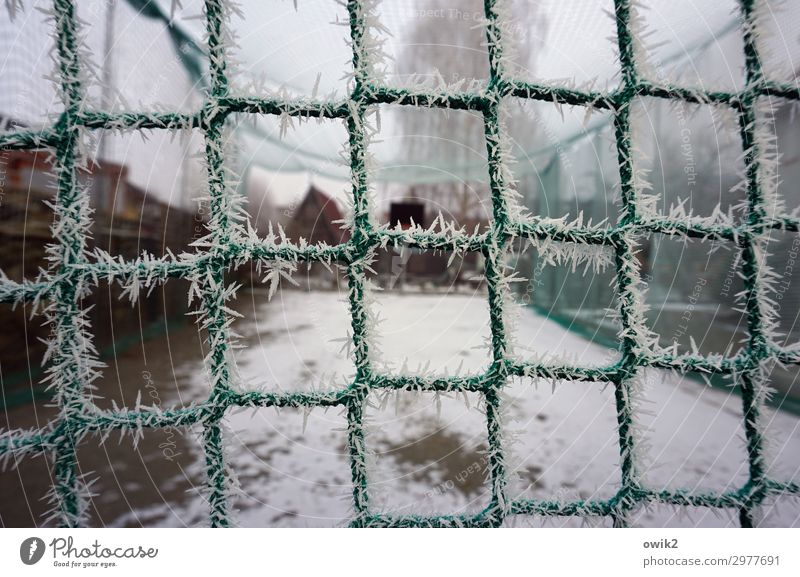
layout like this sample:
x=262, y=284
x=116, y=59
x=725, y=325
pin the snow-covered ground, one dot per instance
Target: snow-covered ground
x=426, y=451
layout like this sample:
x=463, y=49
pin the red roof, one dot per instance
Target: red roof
x=330, y=211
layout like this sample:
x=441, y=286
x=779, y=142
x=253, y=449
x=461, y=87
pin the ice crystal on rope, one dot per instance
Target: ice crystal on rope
x=72, y=362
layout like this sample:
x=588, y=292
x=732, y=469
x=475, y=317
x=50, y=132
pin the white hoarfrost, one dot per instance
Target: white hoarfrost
x=426, y=452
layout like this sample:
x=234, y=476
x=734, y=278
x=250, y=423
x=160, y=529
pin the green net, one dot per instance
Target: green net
x=72, y=361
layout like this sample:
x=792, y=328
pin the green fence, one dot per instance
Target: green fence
x=73, y=272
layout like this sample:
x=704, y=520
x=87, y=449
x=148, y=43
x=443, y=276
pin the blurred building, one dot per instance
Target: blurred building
x=396, y=267
x=312, y=216
x=317, y=219
x=126, y=221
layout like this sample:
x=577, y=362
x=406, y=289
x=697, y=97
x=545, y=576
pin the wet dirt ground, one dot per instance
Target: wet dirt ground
x=426, y=453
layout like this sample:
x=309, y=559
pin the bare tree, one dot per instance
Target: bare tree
x=449, y=44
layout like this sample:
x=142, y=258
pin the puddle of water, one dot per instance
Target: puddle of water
x=440, y=456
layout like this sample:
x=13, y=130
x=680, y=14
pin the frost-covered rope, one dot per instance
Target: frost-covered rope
x=73, y=271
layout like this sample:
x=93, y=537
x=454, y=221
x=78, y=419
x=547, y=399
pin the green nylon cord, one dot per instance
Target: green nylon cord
x=73, y=271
